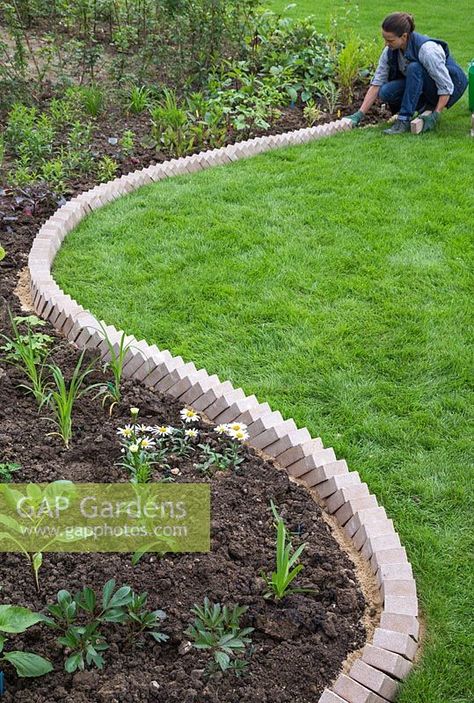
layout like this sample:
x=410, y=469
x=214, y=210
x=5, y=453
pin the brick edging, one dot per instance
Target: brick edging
x=375, y=676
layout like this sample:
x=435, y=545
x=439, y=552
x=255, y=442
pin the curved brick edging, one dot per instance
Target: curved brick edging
x=375, y=676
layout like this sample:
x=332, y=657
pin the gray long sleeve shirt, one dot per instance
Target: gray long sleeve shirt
x=432, y=58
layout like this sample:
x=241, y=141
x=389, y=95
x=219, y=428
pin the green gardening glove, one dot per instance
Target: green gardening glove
x=430, y=122
x=356, y=118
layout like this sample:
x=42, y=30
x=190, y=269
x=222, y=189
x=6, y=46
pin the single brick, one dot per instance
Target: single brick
x=233, y=412
x=378, y=542
x=199, y=387
x=375, y=680
x=402, y=570
x=386, y=661
x=326, y=471
x=402, y=605
x=214, y=392
x=174, y=376
x=263, y=422
x=335, y=483
x=296, y=452
x=395, y=642
x=223, y=402
x=134, y=363
x=184, y=384
x=287, y=441
x=398, y=587
x=271, y=435
x=354, y=692
x=407, y=624
x=312, y=461
x=161, y=367
x=252, y=414
x=388, y=556
x=343, y=495
x=353, y=506
x=382, y=526
x=330, y=697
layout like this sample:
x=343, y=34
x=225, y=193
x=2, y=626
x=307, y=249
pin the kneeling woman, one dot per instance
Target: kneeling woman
x=414, y=73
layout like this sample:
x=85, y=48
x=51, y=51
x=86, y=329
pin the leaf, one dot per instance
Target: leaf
x=28, y=664
x=122, y=597
x=107, y=592
x=3, y=253
x=222, y=659
x=74, y=662
x=159, y=636
x=15, y=618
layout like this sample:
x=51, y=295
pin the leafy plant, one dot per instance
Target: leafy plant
x=86, y=642
x=15, y=619
x=216, y=629
x=92, y=100
x=139, y=99
x=142, y=621
x=127, y=142
x=3, y=253
x=62, y=397
x=7, y=470
x=330, y=95
x=139, y=450
x=280, y=580
x=350, y=62
x=53, y=173
x=170, y=124
x=116, y=357
x=27, y=352
x=106, y=169
x=311, y=112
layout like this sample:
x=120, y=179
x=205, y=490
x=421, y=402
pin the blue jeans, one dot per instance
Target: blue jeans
x=418, y=89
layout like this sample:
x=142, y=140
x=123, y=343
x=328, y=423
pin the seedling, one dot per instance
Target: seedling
x=15, y=619
x=115, y=363
x=216, y=628
x=28, y=352
x=142, y=621
x=62, y=398
x=280, y=580
x=7, y=469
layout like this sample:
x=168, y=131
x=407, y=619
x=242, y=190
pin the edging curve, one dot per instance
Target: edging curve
x=375, y=676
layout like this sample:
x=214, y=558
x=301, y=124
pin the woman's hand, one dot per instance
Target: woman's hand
x=356, y=118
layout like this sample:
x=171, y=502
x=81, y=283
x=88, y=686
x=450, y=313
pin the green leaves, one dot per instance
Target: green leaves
x=217, y=628
x=28, y=664
x=16, y=619
x=280, y=580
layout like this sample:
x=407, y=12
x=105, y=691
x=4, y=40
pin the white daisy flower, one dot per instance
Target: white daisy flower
x=236, y=426
x=134, y=412
x=134, y=448
x=189, y=415
x=146, y=443
x=222, y=429
x=126, y=431
x=192, y=434
x=240, y=435
x=143, y=428
x=162, y=430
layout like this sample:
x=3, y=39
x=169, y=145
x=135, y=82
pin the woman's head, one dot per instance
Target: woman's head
x=396, y=29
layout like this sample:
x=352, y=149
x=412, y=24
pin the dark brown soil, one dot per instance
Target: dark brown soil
x=304, y=633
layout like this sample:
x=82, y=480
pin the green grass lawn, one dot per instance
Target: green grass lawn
x=334, y=281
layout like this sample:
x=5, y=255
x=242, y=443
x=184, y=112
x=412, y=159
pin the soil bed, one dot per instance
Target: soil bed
x=304, y=634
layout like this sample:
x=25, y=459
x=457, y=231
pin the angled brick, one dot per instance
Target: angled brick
x=382, y=526
x=379, y=542
x=353, y=506
x=387, y=556
x=343, y=495
x=389, y=662
x=271, y=435
x=401, y=605
x=223, y=402
x=395, y=642
x=407, y=624
x=236, y=409
x=299, y=451
x=335, y=483
x=354, y=692
x=375, y=680
x=402, y=570
x=364, y=517
x=312, y=461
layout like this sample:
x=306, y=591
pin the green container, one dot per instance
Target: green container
x=471, y=86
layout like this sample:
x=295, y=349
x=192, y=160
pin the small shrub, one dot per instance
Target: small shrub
x=139, y=99
x=216, y=629
x=15, y=619
x=106, y=169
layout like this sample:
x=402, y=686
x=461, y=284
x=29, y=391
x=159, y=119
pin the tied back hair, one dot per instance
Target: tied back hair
x=399, y=23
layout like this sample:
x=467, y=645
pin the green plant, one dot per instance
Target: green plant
x=92, y=98
x=86, y=642
x=15, y=619
x=311, y=112
x=106, y=169
x=53, y=173
x=117, y=353
x=141, y=621
x=7, y=469
x=170, y=124
x=28, y=352
x=350, y=62
x=280, y=580
x=139, y=449
x=216, y=629
x=330, y=95
x=138, y=99
x=62, y=397
x=3, y=253
x=2, y=149
x=127, y=142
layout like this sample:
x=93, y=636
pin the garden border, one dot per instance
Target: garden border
x=375, y=676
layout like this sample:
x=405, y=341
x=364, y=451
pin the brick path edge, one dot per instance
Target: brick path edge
x=388, y=659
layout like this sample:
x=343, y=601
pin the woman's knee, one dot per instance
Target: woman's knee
x=414, y=68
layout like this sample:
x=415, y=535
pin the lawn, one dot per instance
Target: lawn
x=334, y=281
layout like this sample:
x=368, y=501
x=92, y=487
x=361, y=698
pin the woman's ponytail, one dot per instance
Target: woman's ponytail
x=399, y=23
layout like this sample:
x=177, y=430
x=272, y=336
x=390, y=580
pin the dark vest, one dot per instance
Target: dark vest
x=414, y=45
